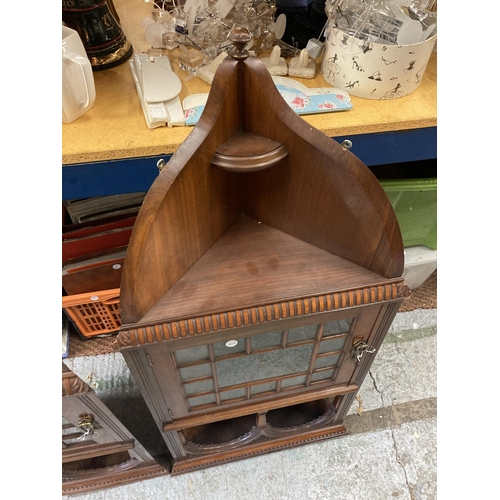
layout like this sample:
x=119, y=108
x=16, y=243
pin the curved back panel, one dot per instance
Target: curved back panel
x=319, y=193
x=188, y=207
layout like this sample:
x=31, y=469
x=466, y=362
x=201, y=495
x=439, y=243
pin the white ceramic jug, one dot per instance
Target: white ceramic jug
x=78, y=89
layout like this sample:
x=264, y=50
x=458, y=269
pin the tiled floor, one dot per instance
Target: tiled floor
x=390, y=453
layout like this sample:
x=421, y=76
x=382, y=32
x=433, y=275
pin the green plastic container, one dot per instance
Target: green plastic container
x=415, y=204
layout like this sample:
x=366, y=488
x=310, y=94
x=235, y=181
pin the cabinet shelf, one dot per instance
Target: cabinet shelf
x=226, y=432
x=246, y=152
x=298, y=415
x=251, y=264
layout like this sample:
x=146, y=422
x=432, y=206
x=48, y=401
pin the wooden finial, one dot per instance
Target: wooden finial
x=239, y=36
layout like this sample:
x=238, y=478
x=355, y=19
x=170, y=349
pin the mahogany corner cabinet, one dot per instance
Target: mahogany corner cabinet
x=263, y=272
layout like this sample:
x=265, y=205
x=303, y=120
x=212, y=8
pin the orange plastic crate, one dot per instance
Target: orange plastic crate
x=96, y=313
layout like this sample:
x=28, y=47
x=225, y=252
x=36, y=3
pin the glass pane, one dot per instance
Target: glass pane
x=327, y=374
x=70, y=430
x=190, y=372
x=302, y=333
x=67, y=431
x=229, y=347
x=293, y=381
x=202, y=400
x=196, y=387
x=191, y=354
x=265, y=365
x=272, y=339
x=333, y=327
x=233, y=394
x=76, y=440
x=332, y=345
x=327, y=361
x=68, y=427
x=269, y=386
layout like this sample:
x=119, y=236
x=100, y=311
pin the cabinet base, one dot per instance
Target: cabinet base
x=257, y=448
x=108, y=480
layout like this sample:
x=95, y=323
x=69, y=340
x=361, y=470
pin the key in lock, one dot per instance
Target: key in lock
x=359, y=348
x=89, y=425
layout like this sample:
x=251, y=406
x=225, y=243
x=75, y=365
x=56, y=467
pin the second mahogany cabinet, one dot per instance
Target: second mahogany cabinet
x=98, y=451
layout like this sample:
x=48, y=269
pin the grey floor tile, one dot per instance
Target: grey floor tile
x=391, y=416
x=405, y=368
x=419, y=318
x=370, y=397
x=103, y=372
x=416, y=445
x=406, y=371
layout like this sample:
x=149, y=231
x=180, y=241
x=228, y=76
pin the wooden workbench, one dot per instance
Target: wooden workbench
x=115, y=128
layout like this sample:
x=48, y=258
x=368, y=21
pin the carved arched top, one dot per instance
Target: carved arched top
x=318, y=193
